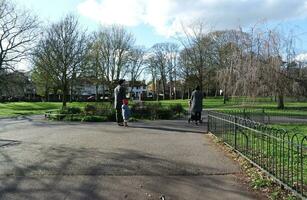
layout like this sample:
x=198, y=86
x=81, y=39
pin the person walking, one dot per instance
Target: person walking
x=196, y=105
x=119, y=96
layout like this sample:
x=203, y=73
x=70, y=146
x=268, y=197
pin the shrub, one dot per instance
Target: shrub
x=111, y=116
x=73, y=118
x=140, y=111
x=177, y=109
x=74, y=110
x=165, y=113
x=90, y=109
x=153, y=109
x=95, y=119
x=70, y=110
x=133, y=119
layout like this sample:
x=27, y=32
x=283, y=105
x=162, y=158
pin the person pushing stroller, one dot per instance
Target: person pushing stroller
x=196, y=105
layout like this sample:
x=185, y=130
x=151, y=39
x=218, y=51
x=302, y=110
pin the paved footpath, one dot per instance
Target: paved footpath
x=55, y=160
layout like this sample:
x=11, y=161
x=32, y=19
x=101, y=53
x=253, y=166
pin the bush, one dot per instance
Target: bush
x=133, y=119
x=140, y=111
x=95, y=119
x=111, y=116
x=153, y=109
x=70, y=110
x=90, y=109
x=165, y=113
x=73, y=118
x=177, y=109
x=74, y=110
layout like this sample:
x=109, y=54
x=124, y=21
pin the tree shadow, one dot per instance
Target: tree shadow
x=58, y=172
x=179, y=126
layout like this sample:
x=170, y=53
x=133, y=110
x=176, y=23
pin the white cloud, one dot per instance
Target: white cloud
x=126, y=12
x=167, y=15
x=301, y=57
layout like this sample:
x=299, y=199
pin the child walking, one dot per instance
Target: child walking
x=125, y=112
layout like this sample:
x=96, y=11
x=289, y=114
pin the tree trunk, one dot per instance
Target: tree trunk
x=71, y=94
x=163, y=88
x=96, y=90
x=157, y=90
x=103, y=92
x=170, y=91
x=225, y=97
x=280, y=103
x=64, y=97
x=46, y=94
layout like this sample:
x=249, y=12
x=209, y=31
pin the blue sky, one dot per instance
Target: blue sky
x=153, y=21
x=53, y=10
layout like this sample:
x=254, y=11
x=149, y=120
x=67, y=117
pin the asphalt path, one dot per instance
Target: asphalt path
x=41, y=159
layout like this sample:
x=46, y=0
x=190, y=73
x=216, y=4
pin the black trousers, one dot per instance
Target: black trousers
x=196, y=116
x=119, y=116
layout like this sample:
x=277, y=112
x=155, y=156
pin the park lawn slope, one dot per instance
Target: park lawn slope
x=292, y=108
x=31, y=108
x=236, y=104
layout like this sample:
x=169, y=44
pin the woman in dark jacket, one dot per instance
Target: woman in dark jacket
x=196, y=105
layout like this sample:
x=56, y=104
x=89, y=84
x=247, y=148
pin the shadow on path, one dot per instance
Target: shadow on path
x=180, y=126
x=84, y=173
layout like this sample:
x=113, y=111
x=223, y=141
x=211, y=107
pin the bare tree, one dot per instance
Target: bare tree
x=18, y=30
x=185, y=73
x=160, y=55
x=92, y=71
x=197, y=47
x=172, y=50
x=114, y=44
x=42, y=80
x=62, y=52
x=136, y=65
x=152, y=69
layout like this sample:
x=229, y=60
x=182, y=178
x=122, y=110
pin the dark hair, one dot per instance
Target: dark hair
x=197, y=87
x=121, y=81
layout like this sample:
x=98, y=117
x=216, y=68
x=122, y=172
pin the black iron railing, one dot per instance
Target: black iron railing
x=268, y=116
x=279, y=153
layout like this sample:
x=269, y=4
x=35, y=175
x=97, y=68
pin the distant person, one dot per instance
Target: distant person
x=125, y=112
x=196, y=105
x=119, y=96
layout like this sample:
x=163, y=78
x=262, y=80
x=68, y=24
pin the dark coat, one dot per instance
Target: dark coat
x=196, y=101
x=119, y=95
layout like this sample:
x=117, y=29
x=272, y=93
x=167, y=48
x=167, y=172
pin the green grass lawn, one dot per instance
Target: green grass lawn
x=207, y=103
x=218, y=103
x=31, y=108
x=292, y=108
x=295, y=128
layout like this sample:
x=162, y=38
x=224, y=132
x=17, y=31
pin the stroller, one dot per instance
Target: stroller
x=194, y=116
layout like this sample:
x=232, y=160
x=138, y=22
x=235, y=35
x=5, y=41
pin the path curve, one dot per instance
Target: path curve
x=59, y=160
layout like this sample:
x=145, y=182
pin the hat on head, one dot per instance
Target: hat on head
x=121, y=81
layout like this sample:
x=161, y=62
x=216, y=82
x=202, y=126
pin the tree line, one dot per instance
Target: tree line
x=258, y=61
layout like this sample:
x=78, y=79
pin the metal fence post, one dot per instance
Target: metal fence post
x=235, y=131
x=244, y=114
x=209, y=121
x=263, y=116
